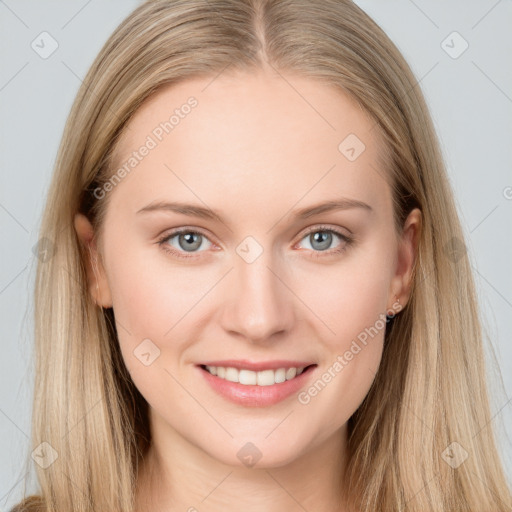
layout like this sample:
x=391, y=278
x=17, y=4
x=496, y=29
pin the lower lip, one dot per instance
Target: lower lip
x=256, y=396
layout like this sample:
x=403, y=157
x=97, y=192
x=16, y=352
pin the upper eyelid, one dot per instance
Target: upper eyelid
x=325, y=227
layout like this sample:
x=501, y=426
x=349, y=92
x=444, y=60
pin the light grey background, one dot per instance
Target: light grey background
x=470, y=97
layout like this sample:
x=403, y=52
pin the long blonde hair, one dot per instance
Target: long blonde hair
x=430, y=390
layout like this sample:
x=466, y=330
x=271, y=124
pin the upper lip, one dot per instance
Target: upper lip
x=242, y=364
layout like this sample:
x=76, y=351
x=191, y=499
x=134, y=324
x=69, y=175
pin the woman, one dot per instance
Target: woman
x=198, y=345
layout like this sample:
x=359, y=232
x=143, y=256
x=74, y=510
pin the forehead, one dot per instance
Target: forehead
x=253, y=138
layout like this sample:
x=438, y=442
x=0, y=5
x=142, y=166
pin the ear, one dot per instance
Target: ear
x=401, y=282
x=96, y=275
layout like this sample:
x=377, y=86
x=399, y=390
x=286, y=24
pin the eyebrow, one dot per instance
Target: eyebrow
x=207, y=213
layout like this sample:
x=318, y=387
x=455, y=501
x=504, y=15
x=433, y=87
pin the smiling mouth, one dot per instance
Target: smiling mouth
x=259, y=378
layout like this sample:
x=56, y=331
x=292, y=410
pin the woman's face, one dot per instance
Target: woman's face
x=256, y=285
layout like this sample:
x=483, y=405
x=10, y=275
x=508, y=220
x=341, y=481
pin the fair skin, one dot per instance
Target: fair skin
x=254, y=151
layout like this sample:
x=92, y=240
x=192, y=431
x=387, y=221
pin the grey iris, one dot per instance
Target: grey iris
x=191, y=244
x=323, y=237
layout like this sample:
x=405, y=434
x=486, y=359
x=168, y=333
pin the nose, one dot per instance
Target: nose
x=260, y=305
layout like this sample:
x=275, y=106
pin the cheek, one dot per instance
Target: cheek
x=350, y=296
x=350, y=357
x=150, y=295
x=152, y=303
x=349, y=302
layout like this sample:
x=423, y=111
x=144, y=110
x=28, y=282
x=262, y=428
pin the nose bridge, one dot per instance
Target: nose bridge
x=260, y=305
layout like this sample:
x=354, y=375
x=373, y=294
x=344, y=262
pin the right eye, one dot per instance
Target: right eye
x=182, y=241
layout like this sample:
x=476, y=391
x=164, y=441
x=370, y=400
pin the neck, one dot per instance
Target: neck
x=178, y=476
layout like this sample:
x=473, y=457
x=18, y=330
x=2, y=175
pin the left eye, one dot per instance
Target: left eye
x=321, y=239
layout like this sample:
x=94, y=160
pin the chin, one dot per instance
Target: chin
x=261, y=453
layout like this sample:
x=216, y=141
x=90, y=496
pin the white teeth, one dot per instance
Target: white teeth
x=247, y=377
x=231, y=374
x=266, y=378
x=212, y=370
x=250, y=378
x=280, y=375
x=290, y=373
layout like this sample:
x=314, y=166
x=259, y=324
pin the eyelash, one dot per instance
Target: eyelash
x=316, y=254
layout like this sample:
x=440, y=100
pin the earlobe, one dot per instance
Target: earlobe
x=96, y=276
x=407, y=256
